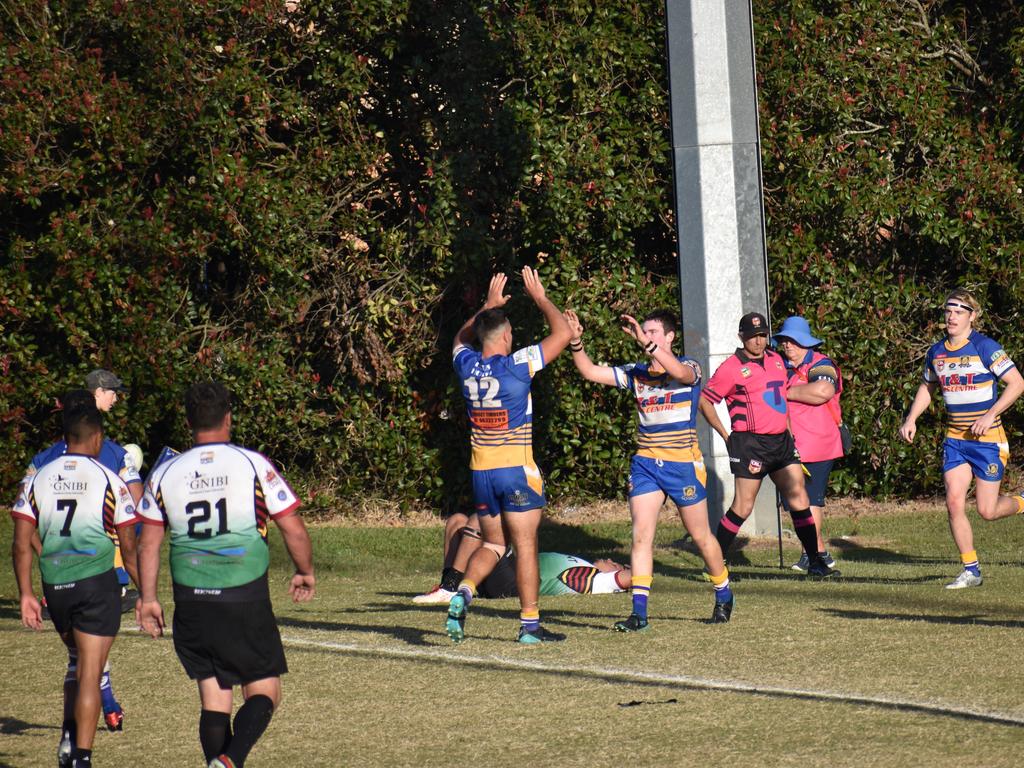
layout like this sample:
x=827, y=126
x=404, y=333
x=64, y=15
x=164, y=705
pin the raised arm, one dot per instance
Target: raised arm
x=300, y=549
x=495, y=298
x=920, y=404
x=599, y=374
x=552, y=344
x=662, y=356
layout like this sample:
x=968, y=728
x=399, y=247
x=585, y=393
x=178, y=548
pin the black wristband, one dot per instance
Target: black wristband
x=651, y=348
x=576, y=346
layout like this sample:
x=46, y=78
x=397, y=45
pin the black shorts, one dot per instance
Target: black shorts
x=756, y=456
x=502, y=581
x=91, y=605
x=235, y=642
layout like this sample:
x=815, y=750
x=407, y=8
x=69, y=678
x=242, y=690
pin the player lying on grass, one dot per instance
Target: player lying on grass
x=75, y=504
x=559, y=574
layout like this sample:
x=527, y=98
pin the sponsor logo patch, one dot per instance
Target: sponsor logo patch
x=517, y=498
x=745, y=372
x=145, y=503
x=282, y=495
x=69, y=466
x=206, y=457
x=130, y=509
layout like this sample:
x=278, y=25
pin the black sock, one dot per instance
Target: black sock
x=728, y=529
x=214, y=732
x=806, y=531
x=70, y=727
x=450, y=579
x=251, y=721
x=81, y=757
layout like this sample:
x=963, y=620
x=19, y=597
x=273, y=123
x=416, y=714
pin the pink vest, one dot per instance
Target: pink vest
x=816, y=427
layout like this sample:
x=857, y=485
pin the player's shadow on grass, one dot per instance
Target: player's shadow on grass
x=408, y=635
x=503, y=608
x=12, y=726
x=10, y=609
x=973, y=620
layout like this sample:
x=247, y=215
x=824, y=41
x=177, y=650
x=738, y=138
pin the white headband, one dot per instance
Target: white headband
x=958, y=305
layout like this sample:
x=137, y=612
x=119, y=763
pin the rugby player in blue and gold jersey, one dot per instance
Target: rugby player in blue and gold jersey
x=966, y=366
x=508, y=490
x=668, y=462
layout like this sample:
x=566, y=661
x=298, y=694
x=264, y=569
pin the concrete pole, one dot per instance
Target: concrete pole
x=716, y=155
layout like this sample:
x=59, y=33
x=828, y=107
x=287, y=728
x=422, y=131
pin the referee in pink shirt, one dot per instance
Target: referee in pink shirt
x=753, y=382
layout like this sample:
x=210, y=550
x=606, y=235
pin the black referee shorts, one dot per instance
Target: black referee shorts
x=91, y=605
x=235, y=642
x=756, y=456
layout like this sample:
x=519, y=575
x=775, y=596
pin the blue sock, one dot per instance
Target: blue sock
x=107, y=695
x=723, y=594
x=467, y=594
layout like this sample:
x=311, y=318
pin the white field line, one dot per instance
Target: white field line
x=662, y=679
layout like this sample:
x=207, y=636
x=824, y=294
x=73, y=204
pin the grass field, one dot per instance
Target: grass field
x=881, y=668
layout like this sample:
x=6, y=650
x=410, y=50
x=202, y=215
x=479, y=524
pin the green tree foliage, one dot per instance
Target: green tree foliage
x=306, y=200
x=891, y=147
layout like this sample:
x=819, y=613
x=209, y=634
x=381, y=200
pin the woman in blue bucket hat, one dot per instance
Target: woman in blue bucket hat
x=815, y=416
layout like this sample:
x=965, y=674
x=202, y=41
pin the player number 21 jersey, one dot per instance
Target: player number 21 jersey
x=215, y=499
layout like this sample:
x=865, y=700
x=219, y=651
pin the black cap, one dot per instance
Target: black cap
x=753, y=324
x=101, y=379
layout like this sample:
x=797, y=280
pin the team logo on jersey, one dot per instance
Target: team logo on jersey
x=130, y=509
x=517, y=498
x=993, y=469
x=690, y=492
x=745, y=372
x=754, y=466
x=20, y=502
x=282, y=495
x=62, y=485
x=202, y=482
x=206, y=457
x=145, y=503
x=69, y=466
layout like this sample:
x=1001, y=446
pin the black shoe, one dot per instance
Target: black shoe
x=128, y=598
x=633, y=624
x=539, y=635
x=819, y=570
x=722, y=612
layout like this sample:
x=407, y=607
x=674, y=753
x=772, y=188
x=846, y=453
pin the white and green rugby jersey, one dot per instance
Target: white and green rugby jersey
x=215, y=499
x=77, y=504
